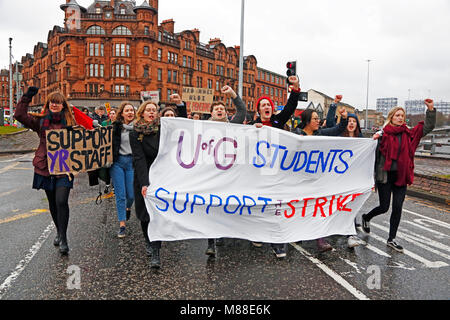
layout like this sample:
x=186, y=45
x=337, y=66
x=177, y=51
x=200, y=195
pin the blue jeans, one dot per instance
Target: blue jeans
x=122, y=173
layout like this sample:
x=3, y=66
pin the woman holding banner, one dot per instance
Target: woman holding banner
x=144, y=142
x=122, y=171
x=56, y=114
x=353, y=130
x=310, y=126
x=394, y=165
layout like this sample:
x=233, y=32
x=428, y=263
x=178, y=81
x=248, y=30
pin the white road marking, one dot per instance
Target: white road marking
x=336, y=277
x=417, y=241
x=25, y=261
x=427, y=263
x=7, y=168
x=438, y=222
x=419, y=223
x=378, y=251
x=354, y=265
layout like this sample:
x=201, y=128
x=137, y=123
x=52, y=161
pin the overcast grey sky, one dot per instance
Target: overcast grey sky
x=407, y=40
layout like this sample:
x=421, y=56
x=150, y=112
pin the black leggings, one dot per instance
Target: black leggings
x=58, y=201
x=154, y=244
x=384, y=192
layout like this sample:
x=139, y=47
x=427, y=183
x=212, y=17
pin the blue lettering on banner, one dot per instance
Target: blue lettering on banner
x=257, y=152
x=195, y=203
x=246, y=206
x=167, y=204
x=227, y=203
x=211, y=197
x=311, y=162
x=343, y=161
x=185, y=203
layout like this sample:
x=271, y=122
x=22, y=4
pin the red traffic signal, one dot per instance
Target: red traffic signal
x=292, y=68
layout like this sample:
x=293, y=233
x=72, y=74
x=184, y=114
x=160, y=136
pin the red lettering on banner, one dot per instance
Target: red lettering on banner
x=341, y=206
x=320, y=205
x=293, y=209
x=305, y=205
x=330, y=211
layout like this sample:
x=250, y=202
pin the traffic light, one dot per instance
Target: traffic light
x=292, y=68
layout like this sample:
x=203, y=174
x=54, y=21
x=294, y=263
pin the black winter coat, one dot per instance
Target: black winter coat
x=279, y=120
x=145, y=149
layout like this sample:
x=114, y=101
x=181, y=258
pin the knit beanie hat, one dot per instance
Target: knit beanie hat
x=270, y=101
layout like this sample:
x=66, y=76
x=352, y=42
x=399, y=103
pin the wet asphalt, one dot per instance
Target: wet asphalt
x=118, y=269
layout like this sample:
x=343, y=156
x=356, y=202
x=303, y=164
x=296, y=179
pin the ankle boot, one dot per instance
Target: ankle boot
x=63, y=246
x=148, y=248
x=57, y=240
x=155, y=263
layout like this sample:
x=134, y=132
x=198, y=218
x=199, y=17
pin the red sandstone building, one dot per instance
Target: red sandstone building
x=4, y=89
x=114, y=50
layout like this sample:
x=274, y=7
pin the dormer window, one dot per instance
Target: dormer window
x=122, y=10
x=98, y=10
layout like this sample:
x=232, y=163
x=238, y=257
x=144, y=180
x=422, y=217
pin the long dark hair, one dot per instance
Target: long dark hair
x=305, y=118
x=58, y=97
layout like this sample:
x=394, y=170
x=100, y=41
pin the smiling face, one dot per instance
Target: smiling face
x=398, y=118
x=219, y=112
x=265, y=109
x=150, y=113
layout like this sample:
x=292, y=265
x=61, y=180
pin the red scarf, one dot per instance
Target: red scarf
x=404, y=153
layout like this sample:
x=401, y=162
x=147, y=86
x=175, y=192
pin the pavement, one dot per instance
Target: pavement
x=20, y=142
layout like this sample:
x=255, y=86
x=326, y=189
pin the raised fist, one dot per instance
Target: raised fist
x=429, y=103
x=32, y=91
x=228, y=91
x=338, y=98
x=343, y=112
x=293, y=80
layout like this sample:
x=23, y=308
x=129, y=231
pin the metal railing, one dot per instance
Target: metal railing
x=429, y=147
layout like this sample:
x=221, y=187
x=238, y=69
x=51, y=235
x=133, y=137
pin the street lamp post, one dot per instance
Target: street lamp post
x=367, y=97
x=11, y=121
x=241, y=51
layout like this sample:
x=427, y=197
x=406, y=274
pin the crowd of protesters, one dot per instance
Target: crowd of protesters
x=136, y=136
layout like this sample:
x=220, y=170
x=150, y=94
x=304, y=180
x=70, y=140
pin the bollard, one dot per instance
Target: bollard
x=433, y=145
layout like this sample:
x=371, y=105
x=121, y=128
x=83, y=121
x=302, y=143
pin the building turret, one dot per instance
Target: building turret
x=72, y=19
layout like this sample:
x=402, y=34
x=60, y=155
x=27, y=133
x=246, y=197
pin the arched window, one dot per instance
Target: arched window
x=95, y=30
x=122, y=31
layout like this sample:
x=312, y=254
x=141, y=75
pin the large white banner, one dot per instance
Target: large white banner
x=214, y=180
